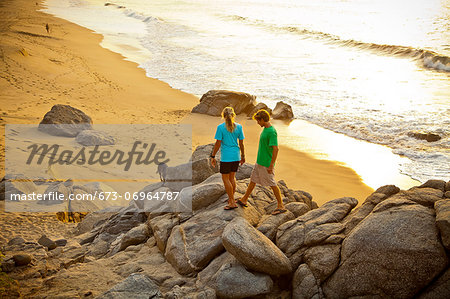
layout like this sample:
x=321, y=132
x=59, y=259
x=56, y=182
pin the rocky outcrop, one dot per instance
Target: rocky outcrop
x=64, y=120
x=94, y=137
x=213, y=102
x=253, y=249
x=428, y=136
x=259, y=106
x=282, y=111
x=395, y=244
x=134, y=286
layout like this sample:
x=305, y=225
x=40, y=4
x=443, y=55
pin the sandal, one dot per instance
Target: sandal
x=241, y=203
x=279, y=211
x=230, y=208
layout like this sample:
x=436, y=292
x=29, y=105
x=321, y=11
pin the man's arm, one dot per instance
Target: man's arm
x=274, y=158
x=241, y=146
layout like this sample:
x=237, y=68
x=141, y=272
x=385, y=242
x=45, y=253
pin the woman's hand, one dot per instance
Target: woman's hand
x=242, y=160
x=213, y=162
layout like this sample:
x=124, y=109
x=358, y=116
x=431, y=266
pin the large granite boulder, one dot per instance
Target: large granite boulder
x=235, y=281
x=253, y=249
x=282, y=111
x=442, y=208
x=94, y=137
x=213, y=102
x=259, y=106
x=198, y=240
x=135, y=286
x=319, y=226
x=394, y=252
x=64, y=120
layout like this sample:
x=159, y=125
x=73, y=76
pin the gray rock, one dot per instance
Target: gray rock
x=44, y=241
x=435, y=184
x=16, y=185
x=55, y=189
x=162, y=226
x=394, y=252
x=94, y=137
x=195, y=242
x=439, y=289
x=428, y=136
x=213, y=102
x=201, y=166
x=424, y=196
x=253, y=249
x=314, y=227
x=64, y=120
x=207, y=277
x=8, y=265
x=205, y=194
x=122, y=222
x=16, y=241
x=234, y=281
x=135, y=286
x=269, y=224
x=259, y=106
x=297, y=208
x=22, y=259
x=244, y=171
x=61, y=242
x=305, y=285
x=442, y=208
x=388, y=190
x=135, y=236
x=323, y=260
x=282, y=111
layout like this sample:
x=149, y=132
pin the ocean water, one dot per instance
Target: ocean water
x=372, y=70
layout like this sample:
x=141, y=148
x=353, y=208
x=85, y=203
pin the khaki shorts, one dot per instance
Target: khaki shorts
x=261, y=176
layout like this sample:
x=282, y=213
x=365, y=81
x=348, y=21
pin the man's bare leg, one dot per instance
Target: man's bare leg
x=277, y=193
x=250, y=188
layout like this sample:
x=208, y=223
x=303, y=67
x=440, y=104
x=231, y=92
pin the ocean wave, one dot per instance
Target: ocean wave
x=428, y=58
x=132, y=14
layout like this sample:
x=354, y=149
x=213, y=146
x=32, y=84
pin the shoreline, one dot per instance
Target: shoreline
x=69, y=66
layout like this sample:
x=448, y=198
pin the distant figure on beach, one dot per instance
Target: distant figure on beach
x=263, y=173
x=47, y=27
x=230, y=139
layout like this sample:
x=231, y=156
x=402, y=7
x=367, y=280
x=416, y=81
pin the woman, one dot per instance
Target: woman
x=230, y=139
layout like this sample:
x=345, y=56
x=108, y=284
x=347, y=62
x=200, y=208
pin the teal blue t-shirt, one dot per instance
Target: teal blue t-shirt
x=229, y=146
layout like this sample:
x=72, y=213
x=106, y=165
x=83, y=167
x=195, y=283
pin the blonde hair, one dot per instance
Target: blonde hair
x=262, y=114
x=229, y=115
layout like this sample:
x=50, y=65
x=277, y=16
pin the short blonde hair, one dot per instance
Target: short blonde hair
x=261, y=114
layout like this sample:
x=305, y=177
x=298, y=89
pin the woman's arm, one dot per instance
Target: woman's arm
x=215, y=150
x=241, y=147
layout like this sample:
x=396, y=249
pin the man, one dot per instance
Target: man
x=263, y=173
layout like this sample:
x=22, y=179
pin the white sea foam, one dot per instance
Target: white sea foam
x=364, y=89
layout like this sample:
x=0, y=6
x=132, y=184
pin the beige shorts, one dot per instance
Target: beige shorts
x=261, y=176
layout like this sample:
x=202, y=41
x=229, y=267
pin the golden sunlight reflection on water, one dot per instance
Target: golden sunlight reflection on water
x=376, y=164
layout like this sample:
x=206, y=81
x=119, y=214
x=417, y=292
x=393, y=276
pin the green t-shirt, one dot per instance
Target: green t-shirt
x=267, y=139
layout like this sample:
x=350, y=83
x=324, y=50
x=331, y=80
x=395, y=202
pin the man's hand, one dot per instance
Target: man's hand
x=213, y=162
x=242, y=160
x=270, y=169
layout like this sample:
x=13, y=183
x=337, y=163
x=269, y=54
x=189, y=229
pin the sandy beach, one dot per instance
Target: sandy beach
x=46, y=60
x=68, y=66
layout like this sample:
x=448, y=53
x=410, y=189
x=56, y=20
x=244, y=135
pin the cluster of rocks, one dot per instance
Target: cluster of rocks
x=67, y=121
x=395, y=244
x=213, y=102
